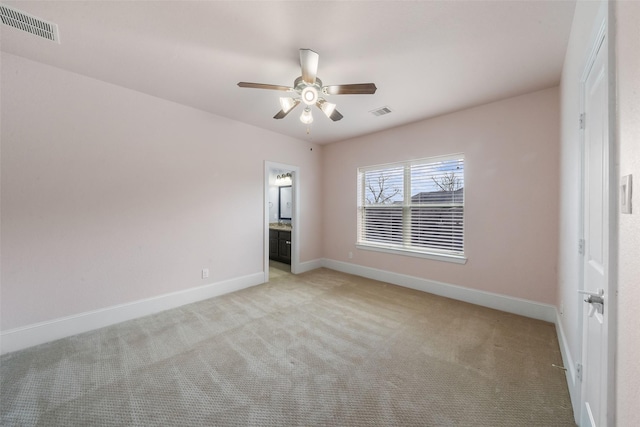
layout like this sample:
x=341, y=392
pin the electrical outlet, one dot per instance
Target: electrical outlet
x=350, y=254
x=205, y=273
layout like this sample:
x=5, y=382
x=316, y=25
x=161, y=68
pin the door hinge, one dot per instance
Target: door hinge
x=581, y=246
x=582, y=121
x=579, y=371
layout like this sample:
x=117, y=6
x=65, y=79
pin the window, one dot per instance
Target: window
x=414, y=207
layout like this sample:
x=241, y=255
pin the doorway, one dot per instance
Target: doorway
x=281, y=214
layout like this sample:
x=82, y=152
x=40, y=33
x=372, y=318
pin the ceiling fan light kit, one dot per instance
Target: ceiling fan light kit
x=327, y=107
x=309, y=95
x=288, y=104
x=309, y=88
x=306, y=116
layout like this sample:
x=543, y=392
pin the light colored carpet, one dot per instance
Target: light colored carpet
x=278, y=270
x=322, y=348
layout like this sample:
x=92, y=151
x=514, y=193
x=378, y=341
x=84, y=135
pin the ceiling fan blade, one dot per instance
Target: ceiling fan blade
x=335, y=116
x=309, y=64
x=282, y=113
x=352, y=89
x=329, y=110
x=264, y=86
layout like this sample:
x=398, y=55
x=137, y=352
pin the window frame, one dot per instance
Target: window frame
x=405, y=248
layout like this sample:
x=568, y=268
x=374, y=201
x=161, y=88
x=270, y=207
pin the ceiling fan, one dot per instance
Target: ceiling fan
x=308, y=89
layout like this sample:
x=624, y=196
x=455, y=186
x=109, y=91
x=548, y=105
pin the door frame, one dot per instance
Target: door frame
x=603, y=34
x=295, y=215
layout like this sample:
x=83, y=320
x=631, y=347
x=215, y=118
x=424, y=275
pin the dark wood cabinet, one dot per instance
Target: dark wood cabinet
x=273, y=244
x=280, y=246
x=284, y=246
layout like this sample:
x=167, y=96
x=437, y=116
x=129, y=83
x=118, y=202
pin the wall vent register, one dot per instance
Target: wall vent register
x=25, y=22
x=381, y=111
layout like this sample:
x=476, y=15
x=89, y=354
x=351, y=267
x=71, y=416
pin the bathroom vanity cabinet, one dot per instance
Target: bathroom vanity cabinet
x=280, y=245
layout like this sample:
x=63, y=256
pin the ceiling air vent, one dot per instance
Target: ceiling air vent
x=25, y=22
x=380, y=111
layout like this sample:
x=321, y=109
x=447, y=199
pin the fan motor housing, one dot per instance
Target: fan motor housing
x=299, y=85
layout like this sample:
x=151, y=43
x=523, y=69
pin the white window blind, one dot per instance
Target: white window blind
x=415, y=206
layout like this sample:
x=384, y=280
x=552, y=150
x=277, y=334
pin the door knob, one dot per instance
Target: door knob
x=599, y=293
x=595, y=299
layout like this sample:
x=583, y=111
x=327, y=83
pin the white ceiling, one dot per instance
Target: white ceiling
x=427, y=58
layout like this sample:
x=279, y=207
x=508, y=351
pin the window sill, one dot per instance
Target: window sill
x=456, y=259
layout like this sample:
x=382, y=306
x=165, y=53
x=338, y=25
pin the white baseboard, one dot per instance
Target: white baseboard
x=303, y=267
x=568, y=361
x=23, y=337
x=39, y=333
x=513, y=305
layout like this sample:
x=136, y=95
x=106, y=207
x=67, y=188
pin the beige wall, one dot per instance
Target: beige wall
x=628, y=92
x=511, y=197
x=111, y=196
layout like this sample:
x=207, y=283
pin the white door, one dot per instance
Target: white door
x=596, y=242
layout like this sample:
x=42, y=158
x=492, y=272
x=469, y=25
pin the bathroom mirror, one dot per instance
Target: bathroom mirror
x=285, y=202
